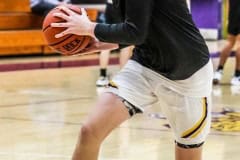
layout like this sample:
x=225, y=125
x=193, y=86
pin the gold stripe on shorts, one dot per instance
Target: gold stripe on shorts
x=197, y=128
x=112, y=84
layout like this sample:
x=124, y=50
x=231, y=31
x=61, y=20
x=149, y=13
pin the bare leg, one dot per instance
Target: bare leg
x=238, y=54
x=108, y=114
x=125, y=54
x=223, y=58
x=188, y=154
x=104, y=59
x=227, y=49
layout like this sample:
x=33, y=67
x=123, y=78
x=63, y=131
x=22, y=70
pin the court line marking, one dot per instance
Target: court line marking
x=121, y=127
x=45, y=102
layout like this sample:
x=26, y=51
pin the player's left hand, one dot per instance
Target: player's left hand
x=78, y=24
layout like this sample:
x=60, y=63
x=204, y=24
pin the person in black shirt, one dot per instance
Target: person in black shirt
x=111, y=16
x=170, y=65
x=233, y=38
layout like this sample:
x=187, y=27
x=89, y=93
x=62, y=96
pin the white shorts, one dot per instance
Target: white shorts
x=189, y=117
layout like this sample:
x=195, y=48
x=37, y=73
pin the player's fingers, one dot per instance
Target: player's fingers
x=84, y=12
x=60, y=25
x=59, y=35
x=67, y=10
x=62, y=15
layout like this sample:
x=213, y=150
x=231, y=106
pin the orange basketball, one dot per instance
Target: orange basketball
x=69, y=44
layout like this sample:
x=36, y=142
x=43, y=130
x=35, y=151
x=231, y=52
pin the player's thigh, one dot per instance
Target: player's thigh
x=238, y=44
x=238, y=39
x=231, y=39
x=189, y=117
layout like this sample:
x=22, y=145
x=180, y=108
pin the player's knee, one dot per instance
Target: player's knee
x=230, y=44
x=87, y=134
x=85, y=130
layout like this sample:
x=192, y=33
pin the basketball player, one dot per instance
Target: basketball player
x=111, y=16
x=170, y=65
x=233, y=38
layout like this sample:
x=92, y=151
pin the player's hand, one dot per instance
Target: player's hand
x=97, y=46
x=78, y=24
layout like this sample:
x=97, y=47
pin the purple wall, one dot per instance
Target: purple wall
x=206, y=13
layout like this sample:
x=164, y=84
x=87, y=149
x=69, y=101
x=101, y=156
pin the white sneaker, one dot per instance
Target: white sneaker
x=102, y=81
x=235, y=81
x=217, y=76
x=235, y=90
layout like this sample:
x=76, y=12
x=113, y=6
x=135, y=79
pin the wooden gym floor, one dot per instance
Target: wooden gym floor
x=41, y=112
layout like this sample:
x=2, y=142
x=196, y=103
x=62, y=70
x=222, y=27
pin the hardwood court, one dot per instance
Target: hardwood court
x=41, y=112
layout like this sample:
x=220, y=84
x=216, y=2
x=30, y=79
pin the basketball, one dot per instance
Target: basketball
x=69, y=44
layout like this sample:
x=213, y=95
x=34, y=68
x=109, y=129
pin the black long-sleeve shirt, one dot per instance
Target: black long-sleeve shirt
x=165, y=37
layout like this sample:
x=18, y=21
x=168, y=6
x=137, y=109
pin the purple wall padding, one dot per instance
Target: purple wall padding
x=53, y=64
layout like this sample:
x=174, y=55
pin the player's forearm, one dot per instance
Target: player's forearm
x=119, y=33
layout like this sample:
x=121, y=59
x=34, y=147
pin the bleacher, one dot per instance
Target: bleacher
x=20, y=30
